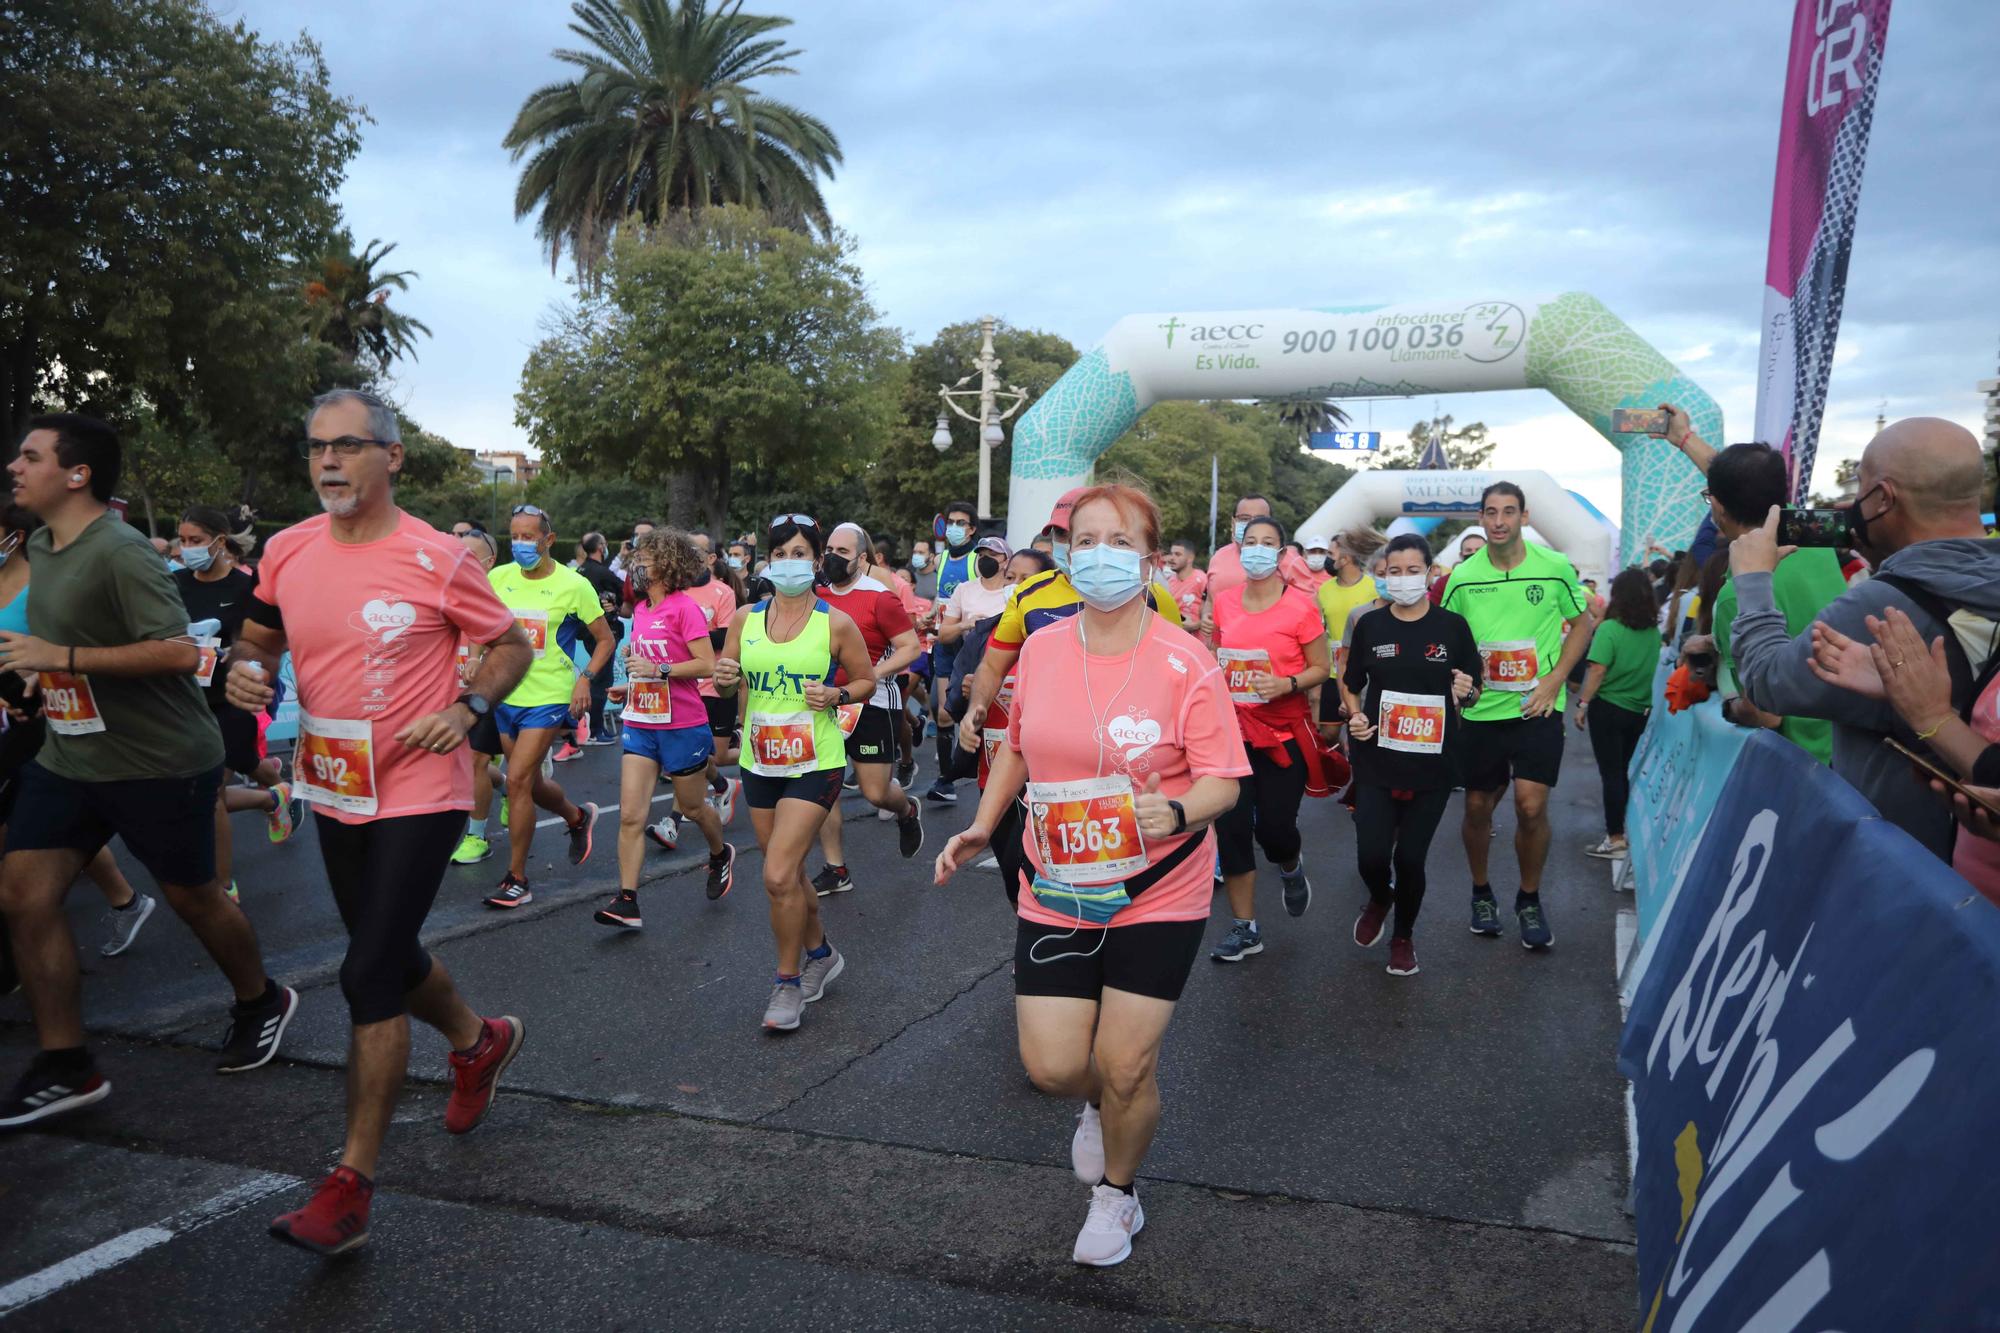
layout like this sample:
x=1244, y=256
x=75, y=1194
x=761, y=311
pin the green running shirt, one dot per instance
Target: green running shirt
x=782, y=737
x=1517, y=620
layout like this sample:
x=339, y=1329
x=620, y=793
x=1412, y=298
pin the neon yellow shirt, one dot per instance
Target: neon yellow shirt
x=1517, y=620
x=540, y=606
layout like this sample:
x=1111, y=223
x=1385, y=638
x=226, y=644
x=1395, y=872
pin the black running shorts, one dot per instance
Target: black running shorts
x=873, y=740
x=168, y=823
x=1152, y=958
x=1526, y=749
x=822, y=788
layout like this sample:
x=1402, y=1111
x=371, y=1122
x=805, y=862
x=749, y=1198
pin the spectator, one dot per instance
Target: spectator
x=640, y=527
x=1617, y=695
x=1916, y=519
x=591, y=552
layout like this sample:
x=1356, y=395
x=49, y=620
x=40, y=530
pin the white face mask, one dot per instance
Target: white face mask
x=1407, y=589
x=1316, y=561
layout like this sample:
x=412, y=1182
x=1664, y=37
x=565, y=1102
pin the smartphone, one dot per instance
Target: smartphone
x=1814, y=527
x=1947, y=779
x=1628, y=421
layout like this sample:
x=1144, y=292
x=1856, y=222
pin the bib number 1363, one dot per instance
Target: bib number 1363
x=1087, y=832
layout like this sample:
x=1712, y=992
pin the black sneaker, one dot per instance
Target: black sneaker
x=851, y=782
x=512, y=893
x=722, y=872
x=1485, y=915
x=910, y=830
x=623, y=912
x=255, y=1031
x=829, y=880
x=579, y=834
x=47, y=1089
x=943, y=790
x=906, y=773
x=1535, y=932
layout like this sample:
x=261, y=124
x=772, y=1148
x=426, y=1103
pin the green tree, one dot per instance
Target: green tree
x=721, y=347
x=347, y=305
x=1468, y=447
x=909, y=481
x=1300, y=481
x=1168, y=451
x=162, y=175
x=1308, y=415
x=662, y=116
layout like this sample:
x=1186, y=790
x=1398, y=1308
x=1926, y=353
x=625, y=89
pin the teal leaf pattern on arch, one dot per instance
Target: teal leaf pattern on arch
x=1593, y=361
x=1083, y=411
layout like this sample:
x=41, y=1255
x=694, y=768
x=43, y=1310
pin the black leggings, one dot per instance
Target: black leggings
x=1392, y=835
x=385, y=874
x=1614, y=736
x=1266, y=810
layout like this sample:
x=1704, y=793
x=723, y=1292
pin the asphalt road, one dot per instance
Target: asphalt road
x=1339, y=1148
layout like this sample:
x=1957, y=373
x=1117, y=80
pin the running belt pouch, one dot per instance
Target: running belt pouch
x=1098, y=903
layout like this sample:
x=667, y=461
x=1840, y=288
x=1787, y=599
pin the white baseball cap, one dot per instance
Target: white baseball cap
x=1316, y=543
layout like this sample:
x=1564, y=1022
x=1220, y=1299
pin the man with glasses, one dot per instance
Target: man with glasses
x=372, y=604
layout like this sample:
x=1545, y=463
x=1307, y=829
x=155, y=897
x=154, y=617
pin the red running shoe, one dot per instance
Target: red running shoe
x=1402, y=958
x=475, y=1078
x=1368, y=927
x=335, y=1219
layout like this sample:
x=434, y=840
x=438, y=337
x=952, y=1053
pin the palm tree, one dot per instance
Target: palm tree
x=1309, y=416
x=662, y=117
x=347, y=304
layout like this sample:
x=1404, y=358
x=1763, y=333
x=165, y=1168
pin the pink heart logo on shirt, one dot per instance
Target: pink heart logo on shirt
x=386, y=620
x=1134, y=737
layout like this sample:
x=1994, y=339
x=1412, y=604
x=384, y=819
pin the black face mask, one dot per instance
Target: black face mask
x=837, y=567
x=1857, y=521
x=988, y=566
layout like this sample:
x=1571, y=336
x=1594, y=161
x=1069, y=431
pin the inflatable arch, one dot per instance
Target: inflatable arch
x=1556, y=515
x=1570, y=345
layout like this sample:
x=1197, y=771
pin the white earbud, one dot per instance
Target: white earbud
x=76, y=476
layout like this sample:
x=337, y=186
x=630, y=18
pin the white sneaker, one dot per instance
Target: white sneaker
x=1106, y=1238
x=1086, y=1146
x=123, y=926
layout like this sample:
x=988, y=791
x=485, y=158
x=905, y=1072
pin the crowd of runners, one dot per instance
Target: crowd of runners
x=1110, y=702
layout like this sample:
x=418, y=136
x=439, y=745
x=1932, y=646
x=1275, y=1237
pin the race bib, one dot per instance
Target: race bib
x=68, y=705
x=211, y=652
x=850, y=718
x=335, y=764
x=1411, y=722
x=994, y=738
x=464, y=664
x=1511, y=665
x=1238, y=666
x=781, y=744
x=649, y=703
x=1004, y=700
x=1087, y=832
x=535, y=624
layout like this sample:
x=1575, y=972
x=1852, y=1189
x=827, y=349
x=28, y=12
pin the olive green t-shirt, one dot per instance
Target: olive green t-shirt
x=1804, y=584
x=1629, y=658
x=107, y=589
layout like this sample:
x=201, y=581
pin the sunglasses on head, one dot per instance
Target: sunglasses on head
x=803, y=520
x=531, y=510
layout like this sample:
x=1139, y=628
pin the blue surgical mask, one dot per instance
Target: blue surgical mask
x=735, y=561
x=197, y=558
x=791, y=577
x=1260, y=562
x=527, y=554
x=1060, y=555
x=1107, y=577
x=919, y=559
x=1381, y=587
x=1242, y=524
x=956, y=534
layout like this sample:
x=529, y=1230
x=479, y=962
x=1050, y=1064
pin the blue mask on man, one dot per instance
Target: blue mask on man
x=955, y=534
x=527, y=554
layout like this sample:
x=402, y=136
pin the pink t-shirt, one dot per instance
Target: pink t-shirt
x=1078, y=715
x=373, y=629
x=1283, y=629
x=1188, y=590
x=1225, y=571
x=663, y=634
x=717, y=602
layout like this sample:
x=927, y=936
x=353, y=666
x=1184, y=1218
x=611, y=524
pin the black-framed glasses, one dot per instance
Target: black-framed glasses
x=532, y=511
x=346, y=446
x=803, y=520
x=1705, y=495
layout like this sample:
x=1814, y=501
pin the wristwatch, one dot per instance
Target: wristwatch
x=476, y=704
x=842, y=698
x=1180, y=816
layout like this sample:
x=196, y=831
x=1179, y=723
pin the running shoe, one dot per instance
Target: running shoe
x=666, y=831
x=788, y=1001
x=503, y=812
x=579, y=834
x=1106, y=1239
x=623, y=911
x=335, y=1219
x=511, y=893
x=851, y=781
x=722, y=872
x=475, y=1075
x=471, y=851
x=286, y=814
x=724, y=801
x=1402, y=958
x=1608, y=850
x=564, y=753
x=906, y=772
x=1086, y=1146
x=818, y=974
x=829, y=880
x=1368, y=927
x=1534, y=921
x=943, y=790
x=255, y=1031
x=1298, y=890
x=1242, y=940
x=48, y=1089
x=910, y=829
x=597, y=738
x=122, y=924
x=1485, y=915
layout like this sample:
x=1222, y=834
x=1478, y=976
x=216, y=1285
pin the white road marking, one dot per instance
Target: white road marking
x=100, y=1258
x=611, y=809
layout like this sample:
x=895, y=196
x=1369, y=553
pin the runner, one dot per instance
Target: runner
x=1122, y=731
x=214, y=587
x=782, y=654
x=970, y=602
x=1318, y=552
x=874, y=563
x=891, y=640
x=540, y=593
x=1412, y=670
x=1186, y=581
x=665, y=725
x=716, y=591
x=1225, y=567
x=372, y=602
x=1520, y=599
x=132, y=752
x=1272, y=646
x=484, y=738
x=1349, y=588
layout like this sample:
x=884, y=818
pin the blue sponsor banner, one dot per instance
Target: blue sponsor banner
x=1677, y=773
x=1811, y=1054
x=1355, y=441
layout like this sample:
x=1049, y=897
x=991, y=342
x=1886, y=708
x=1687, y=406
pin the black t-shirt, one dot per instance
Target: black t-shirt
x=226, y=599
x=1415, y=747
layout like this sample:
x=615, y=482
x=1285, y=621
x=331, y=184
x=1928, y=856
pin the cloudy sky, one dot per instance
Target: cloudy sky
x=1062, y=164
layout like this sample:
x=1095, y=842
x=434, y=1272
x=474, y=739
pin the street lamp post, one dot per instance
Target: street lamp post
x=990, y=395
